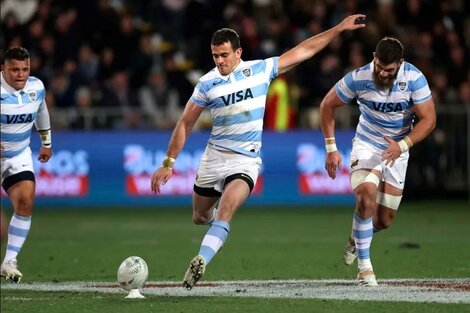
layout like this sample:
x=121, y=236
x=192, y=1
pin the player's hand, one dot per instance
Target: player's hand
x=160, y=177
x=44, y=154
x=392, y=152
x=353, y=22
x=332, y=163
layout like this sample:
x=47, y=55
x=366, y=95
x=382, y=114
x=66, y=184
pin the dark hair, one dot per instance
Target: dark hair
x=389, y=50
x=224, y=35
x=16, y=53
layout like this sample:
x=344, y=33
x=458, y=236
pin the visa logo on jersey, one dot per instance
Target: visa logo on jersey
x=18, y=118
x=238, y=96
x=387, y=107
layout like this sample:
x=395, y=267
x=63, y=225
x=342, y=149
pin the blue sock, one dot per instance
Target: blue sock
x=362, y=233
x=17, y=233
x=214, y=239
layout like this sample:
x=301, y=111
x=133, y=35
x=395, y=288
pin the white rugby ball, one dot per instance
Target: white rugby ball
x=132, y=273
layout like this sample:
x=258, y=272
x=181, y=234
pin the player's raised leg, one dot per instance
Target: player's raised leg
x=381, y=220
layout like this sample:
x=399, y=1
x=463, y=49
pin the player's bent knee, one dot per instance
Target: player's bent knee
x=365, y=202
x=199, y=220
x=363, y=176
x=388, y=201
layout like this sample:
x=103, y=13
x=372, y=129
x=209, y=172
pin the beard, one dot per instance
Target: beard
x=383, y=83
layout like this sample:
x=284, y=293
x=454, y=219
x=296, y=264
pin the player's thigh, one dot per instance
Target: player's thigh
x=238, y=185
x=203, y=205
x=394, y=176
x=21, y=195
x=12, y=166
x=210, y=174
x=365, y=177
x=391, y=190
x=389, y=199
x=234, y=195
x=18, y=181
x=208, y=184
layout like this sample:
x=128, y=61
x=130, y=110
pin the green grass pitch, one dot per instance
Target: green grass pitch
x=426, y=240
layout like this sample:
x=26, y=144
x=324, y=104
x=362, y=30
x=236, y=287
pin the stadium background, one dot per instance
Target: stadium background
x=118, y=74
x=152, y=52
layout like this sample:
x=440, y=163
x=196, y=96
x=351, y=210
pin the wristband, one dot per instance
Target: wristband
x=405, y=144
x=330, y=144
x=168, y=162
x=46, y=137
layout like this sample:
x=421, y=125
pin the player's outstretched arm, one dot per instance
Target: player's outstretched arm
x=180, y=134
x=311, y=46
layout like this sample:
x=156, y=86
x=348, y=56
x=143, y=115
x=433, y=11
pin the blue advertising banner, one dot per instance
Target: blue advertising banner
x=114, y=168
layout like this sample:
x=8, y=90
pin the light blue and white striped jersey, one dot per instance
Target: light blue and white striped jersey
x=19, y=109
x=237, y=104
x=384, y=112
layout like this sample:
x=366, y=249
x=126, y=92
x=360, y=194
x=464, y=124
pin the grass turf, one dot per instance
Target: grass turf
x=427, y=240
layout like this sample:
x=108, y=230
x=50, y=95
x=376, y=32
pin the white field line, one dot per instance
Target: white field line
x=409, y=290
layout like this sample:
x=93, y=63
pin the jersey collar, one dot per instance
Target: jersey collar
x=226, y=77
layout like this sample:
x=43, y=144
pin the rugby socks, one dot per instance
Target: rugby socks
x=362, y=233
x=214, y=239
x=351, y=240
x=17, y=233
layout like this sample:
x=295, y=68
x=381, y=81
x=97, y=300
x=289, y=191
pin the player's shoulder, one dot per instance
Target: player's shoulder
x=365, y=70
x=250, y=63
x=208, y=79
x=263, y=62
x=211, y=75
x=363, y=73
x=34, y=82
x=410, y=68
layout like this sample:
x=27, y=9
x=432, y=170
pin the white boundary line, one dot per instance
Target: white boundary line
x=409, y=290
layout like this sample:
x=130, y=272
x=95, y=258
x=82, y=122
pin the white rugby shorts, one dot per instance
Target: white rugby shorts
x=365, y=157
x=20, y=163
x=217, y=165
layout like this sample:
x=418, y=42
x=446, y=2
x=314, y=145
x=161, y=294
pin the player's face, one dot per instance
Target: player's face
x=225, y=58
x=16, y=73
x=385, y=74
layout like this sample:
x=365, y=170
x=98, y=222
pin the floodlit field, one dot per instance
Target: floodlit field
x=275, y=260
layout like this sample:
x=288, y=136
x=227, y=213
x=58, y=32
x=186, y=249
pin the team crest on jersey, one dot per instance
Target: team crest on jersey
x=246, y=72
x=402, y=86
x=32, y=95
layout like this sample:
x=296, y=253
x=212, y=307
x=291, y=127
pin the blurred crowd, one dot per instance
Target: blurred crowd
x=139, y=60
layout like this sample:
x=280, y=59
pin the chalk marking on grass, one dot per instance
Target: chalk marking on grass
x=409, y=290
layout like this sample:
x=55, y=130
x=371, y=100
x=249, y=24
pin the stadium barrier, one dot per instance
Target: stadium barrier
x=113, y=168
